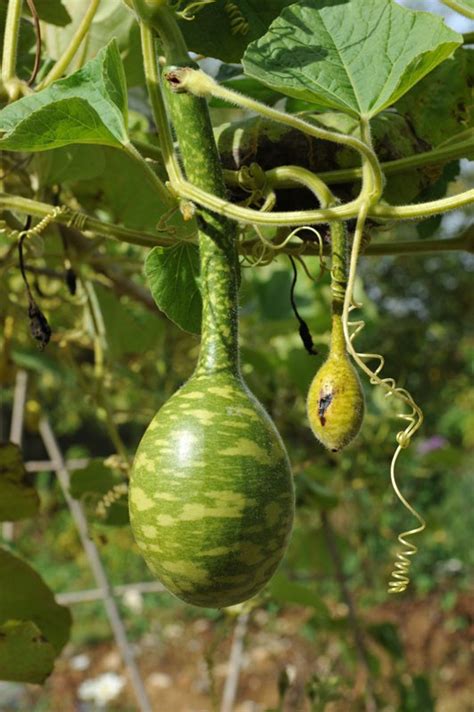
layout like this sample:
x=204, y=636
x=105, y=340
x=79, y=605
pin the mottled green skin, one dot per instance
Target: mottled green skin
x=211, y=495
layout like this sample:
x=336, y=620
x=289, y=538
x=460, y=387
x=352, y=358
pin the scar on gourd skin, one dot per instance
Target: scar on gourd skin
x=325, y=401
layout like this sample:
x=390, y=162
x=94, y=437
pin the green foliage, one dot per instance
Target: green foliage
x=440, y=106
x=173, y=277
x=399, y=45
x=33, y=624
x=90, y=106
x=25, y=655
x=226, y=41
x=134, y=358
x=18, y=498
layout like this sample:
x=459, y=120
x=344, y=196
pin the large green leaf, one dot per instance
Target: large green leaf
x=18, y=499
x=173, y=277
x=24, y=596
x=358, y=56
x=89, y=106
x=216, y=31
x=25, y=655
x=441, y=105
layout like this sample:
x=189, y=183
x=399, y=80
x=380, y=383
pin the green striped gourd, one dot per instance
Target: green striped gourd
x=211, y=493
x=335, y=402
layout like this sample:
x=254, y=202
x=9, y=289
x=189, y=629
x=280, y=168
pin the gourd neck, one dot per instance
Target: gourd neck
x=338, y=266
x=219, y=276
x=337, y=347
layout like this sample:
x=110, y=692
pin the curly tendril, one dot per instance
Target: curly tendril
x=400, y=575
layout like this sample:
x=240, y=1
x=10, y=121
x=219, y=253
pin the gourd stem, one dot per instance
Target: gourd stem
x=217, y=234
x=10, y=45
x=339, y=266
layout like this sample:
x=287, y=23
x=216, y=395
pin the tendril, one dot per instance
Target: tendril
x=414, y=418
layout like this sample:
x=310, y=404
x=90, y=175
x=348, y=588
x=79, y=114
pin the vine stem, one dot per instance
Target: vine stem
x=304, y=217
x=10, y=48
x=198, y=83
x=144, y=239
x=83, y=222
x=459, y=7
x=158, y=108
x=441, y=154
x=58, y=69
x=464, y=149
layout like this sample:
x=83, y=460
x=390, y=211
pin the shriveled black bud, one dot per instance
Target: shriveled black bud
x=306, y=338
x=39, y=327
x=71, y=280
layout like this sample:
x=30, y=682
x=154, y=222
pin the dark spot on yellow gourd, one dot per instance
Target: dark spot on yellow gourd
x=335, y=400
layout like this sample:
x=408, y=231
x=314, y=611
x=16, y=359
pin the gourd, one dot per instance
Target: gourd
x=211, y=492
x=335, y=402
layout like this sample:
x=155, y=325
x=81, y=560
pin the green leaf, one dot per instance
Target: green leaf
x=25, y=655
x=172, y=274
x=18, y=499
x=358, y=56
x=69, y=164
x=212, y=33
x=441, y=105
x=89, y=106
x=52, y=11
x=24, y=596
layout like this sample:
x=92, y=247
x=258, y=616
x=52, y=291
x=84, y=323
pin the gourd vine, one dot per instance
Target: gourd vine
x=336, y=390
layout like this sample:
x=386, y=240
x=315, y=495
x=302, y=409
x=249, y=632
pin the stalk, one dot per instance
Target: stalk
x=217, y=243
x=65, y=60
x=10, y=47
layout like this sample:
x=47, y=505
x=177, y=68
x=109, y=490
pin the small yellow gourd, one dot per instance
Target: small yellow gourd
x=335, y=398
x=335, y=401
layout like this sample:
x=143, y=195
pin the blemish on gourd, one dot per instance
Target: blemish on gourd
x=325, y=401
x=194, y=395
x=165, y=520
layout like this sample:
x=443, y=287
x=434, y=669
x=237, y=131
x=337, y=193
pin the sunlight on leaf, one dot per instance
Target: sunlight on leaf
x=320, y=52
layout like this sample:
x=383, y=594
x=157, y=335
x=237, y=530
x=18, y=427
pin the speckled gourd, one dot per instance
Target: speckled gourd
x=335, y=402
x=211, y=493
